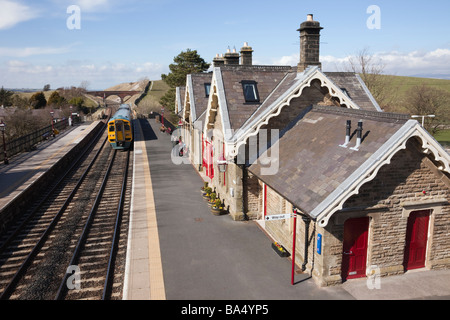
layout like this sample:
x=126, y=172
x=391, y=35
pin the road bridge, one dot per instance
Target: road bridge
x=121, y=94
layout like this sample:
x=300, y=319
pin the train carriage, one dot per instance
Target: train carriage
x=120, y=133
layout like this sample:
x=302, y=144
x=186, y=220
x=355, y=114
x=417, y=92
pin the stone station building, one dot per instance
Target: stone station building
x=371, y=188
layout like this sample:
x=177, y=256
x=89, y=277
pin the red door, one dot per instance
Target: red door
x=208, y=159
x=416, y=239
x=354, y=255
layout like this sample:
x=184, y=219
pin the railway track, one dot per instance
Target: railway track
x=71, y=244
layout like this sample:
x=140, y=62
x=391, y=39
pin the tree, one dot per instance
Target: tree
x=77, y=102
x=20, y=102
x=371, y=71
x=38, y=100
x=56, y=99
x=5, y=97
x=425, y=100
x=185, y=63
x=46, y=88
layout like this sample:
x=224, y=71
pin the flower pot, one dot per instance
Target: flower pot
x=280, y=250
x=216, y=211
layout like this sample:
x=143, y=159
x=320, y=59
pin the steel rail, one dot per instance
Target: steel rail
x=82, y=239
x=18, y=275
x=8, y=241
x=112, y=255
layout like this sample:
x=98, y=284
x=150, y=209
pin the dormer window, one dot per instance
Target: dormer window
x=207, y=89
x=250, y=91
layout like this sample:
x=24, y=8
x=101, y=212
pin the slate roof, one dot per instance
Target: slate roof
x=198, y=97
x=311, y=162
x=356, y=89
x=246, y=117
x=266, y=77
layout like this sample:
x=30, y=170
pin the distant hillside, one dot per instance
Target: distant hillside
x=129, y=86
x=151, y=103
x=406, y=83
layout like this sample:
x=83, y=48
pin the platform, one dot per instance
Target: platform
x=143, y=271
x=26, y=168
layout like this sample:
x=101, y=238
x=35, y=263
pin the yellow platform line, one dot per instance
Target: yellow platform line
x=157, y=290
x=156, y=277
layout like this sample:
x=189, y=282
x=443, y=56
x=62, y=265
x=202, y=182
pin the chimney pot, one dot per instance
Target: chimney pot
x=218, y=60
x=246, y=55
x=231, y=58
x=309, y=44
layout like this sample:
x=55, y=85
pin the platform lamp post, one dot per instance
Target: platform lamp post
x=162, y=116
x=2, y=129
x=423, y=117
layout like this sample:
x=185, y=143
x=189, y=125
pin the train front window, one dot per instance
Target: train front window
x=119, y=126
x=111, y=128
x=127, y=127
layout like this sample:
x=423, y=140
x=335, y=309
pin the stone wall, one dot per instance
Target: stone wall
x=397, y=190
x=410, y=182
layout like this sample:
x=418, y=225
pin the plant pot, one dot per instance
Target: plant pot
x=280, y=250
x=206, y=197
x=217, y=212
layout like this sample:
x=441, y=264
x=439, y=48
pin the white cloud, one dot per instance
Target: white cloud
x=32, y=51
x=90, y=5
x=435, y=62
x=20, y=74
x=416, y=62
x=12, y=13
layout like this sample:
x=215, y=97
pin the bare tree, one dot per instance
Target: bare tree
x=425, y=100
x=370, y=68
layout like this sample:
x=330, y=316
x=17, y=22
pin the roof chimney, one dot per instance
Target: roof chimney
x=231, y=58
x=246, y=55
x=309, y=44
x=218, y=60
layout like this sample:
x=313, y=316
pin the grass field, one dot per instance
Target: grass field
x=405, y=83
x=443, y=136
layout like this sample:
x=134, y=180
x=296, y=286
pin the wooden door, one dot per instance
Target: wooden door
x=354, y=254
x=416, y=239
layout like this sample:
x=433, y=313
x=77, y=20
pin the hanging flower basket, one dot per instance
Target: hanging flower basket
x=280, y=250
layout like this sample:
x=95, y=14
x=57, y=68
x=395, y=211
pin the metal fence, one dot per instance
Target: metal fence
x=29, y=142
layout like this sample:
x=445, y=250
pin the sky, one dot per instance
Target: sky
x=106, y=42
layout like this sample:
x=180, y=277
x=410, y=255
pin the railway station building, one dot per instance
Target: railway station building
x=370, y=189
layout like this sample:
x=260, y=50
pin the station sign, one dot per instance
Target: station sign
x=279, y=217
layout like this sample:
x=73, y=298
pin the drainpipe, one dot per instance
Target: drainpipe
x=306, y=220
x=244, y=178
